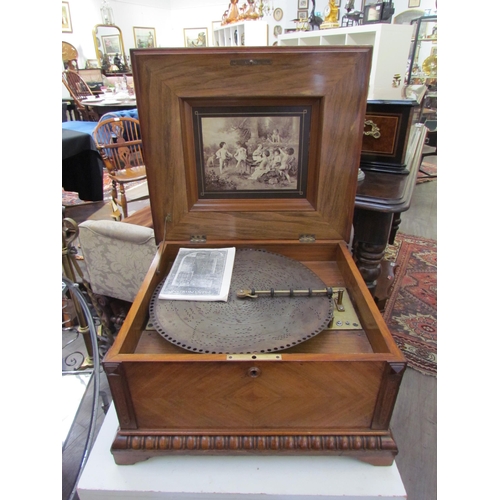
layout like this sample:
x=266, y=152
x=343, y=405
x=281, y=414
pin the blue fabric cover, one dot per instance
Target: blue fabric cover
x=128, y=113
x=87, y=127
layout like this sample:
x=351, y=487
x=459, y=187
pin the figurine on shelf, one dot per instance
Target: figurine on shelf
x=331, y=16
x=231, y=15
x=248, y=12
x=314, y=20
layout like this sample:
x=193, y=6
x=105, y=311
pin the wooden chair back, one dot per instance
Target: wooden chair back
x=79, y=90
x=119, y=142
x=76, y=85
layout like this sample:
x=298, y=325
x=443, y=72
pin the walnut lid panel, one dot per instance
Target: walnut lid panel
x=265, y=84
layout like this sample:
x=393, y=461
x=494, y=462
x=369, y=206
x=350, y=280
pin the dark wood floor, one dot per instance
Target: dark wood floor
x=414, y=422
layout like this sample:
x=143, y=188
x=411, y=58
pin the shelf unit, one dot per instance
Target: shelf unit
x=243, y=33
x=424, y=53
x=393, y=39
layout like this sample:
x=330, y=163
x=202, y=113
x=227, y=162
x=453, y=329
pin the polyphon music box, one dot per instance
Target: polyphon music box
x=256, y=150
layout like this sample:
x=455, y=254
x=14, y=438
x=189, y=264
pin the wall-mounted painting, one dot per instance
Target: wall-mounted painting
x=144, y=38
x=195, y=37
x=66, y=18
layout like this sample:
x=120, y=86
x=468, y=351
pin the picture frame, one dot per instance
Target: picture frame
x=302, y=15
x=111, y=44
x=92, y=64
x=267, y=158
x=195, y=37
x=144, y=38
x=67, y=26
x=413, y=3
x=303, y=4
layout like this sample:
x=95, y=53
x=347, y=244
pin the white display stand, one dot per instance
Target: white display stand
x=233, y=477
x=242, y=33
x=391, y=49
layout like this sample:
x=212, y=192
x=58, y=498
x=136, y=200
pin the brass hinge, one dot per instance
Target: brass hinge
x=197, y=238
x=307, y=238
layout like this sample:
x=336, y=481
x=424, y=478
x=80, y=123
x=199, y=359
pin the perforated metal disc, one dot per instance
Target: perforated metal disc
x=241, y=326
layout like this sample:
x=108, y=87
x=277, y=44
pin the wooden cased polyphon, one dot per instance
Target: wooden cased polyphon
x=332, y=394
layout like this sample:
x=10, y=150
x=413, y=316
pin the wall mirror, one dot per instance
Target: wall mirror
x=109, y=49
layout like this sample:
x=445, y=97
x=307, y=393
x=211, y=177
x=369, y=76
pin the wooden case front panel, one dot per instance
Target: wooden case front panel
x=228, y=397
x=394, y=122
x=386, y=143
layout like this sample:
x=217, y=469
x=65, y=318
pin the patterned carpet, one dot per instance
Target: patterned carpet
x=411, y=311
x=427, y=172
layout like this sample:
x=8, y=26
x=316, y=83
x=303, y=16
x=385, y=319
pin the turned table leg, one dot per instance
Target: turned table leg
x=371, y=235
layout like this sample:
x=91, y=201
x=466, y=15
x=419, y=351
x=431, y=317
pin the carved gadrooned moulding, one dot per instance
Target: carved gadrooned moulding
x=156, y=445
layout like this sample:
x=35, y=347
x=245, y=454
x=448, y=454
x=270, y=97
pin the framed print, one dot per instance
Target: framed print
x=278, y=14
x=254, y=151
x=111, y=44
x=195, y=37
x=303, y=4
x=413, y=3
x=92, y=64
x=302, y=15
x=144, y=38
x=66, y=18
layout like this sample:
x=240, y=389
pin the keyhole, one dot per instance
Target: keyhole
x=254, y=372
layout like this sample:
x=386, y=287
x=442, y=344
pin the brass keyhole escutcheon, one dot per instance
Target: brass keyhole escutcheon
x=254, y=372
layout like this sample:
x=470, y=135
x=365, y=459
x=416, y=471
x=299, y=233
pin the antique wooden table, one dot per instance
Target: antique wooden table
x=380, y=200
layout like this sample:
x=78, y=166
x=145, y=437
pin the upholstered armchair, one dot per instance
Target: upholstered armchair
x=117, y=256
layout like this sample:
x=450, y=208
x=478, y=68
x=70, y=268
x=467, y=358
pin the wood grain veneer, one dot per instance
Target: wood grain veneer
x=333, y=394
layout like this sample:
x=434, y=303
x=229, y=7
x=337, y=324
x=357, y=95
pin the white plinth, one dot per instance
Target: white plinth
x=228, y=478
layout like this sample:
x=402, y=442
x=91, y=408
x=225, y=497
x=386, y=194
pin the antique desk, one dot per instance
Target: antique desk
x=251, y=478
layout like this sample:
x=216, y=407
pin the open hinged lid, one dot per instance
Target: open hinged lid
x=208, y=116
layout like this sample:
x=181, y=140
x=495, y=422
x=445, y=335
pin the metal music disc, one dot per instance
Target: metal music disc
x=245, y=326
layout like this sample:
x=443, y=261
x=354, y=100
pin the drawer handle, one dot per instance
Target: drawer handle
x=253, y=372
x=374, y=132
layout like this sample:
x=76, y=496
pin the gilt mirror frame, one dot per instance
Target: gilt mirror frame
x=99, y=49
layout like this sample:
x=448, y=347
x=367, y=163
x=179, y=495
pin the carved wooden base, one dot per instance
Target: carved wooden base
x=129, y=449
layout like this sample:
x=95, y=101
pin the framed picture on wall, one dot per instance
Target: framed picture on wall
x=111, y=44
x=302, y=15
x=144, y=38
x=66, y=18
x=303, y=4
x=195, y=37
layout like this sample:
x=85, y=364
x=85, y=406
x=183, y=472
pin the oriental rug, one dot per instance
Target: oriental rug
x=411, y=310
x=427, y=172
